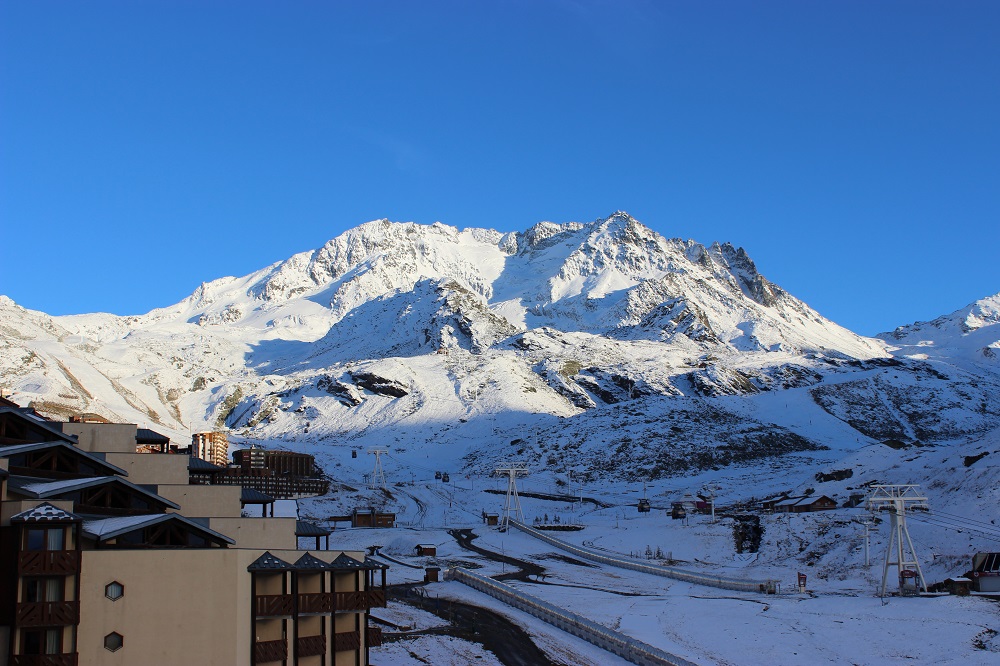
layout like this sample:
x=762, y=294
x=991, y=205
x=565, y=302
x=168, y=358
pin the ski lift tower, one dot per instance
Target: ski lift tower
x=512, y=503
x=377, y=479
x=710, y=490
x=896, y=500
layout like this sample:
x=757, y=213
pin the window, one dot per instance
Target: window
x=114, y=591
x=114, y=641
x=41, y=641
x=38, y=590
x=42, y=538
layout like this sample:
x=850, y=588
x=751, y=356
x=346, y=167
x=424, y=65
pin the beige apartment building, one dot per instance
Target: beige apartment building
x=211, y=446
x=115, y=557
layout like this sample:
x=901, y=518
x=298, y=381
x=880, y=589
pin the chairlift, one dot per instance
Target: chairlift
x=437, y=475
x=644, y=505
x=445, y=478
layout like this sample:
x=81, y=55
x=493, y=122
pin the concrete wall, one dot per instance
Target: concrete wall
x=269, y=533
x=103, y=437
x=203, y=501
x=151, y=467
x=179, y=607
x=182, y=606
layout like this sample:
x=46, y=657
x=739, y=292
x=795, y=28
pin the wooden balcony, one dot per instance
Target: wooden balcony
x=268, y=651
x=376, y=598
x=352, y=601
x=310, y=646
x=373, y=636
x=273, y=605
x=66, y=659
x=48, y=613
x=318, y=603
x=48, y=562
x=346, y=640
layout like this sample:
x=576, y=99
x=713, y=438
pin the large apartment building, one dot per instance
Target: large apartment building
x=211, y=446
x=108, y=556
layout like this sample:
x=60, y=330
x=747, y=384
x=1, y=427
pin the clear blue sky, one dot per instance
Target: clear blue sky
x=853, y=148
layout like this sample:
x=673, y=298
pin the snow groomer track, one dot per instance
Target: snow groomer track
x=624, y=646
x=738, y=584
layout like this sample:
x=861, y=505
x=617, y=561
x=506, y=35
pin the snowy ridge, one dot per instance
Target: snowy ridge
x=601, y=348
x=971, y=333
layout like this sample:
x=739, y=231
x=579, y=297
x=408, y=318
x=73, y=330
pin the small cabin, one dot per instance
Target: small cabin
x=431, y=574
x=426, y=550
x=372, y=518
x=492, y=518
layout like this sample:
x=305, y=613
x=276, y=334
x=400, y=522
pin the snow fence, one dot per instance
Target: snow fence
x=738, y=584
x=624, y=646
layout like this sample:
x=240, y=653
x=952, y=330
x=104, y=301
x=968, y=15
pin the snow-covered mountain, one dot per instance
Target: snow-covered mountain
x=970, y=334
x=600, y=348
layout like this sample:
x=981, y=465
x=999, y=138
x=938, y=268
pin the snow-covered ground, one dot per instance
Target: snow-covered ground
x=841, y=619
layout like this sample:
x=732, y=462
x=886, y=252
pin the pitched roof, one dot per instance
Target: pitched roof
x=310, y=561
x=345, y=562
x=196, y=464
x=374, y=564
x=32, y=487
x=268, y=562
x=45, y=513
x=8, y=451
x=147, y=435
x=37, y=422
x=802, y=500
x=305, y=529
x=109, y=528
x=252, y=496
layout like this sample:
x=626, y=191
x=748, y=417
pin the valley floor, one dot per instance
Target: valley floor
x=840, y=620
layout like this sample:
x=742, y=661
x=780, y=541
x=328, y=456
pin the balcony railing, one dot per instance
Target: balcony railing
x=66, y=659
x=48, y=562
x=48, y=613
x=352, y=601
x=318, y=602
x=267, y=651
x=376, y=598
x=373, y=636
x=309, y=646
x=346, y=640
x=273, y=605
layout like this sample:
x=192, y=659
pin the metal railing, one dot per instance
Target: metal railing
x=624, y=646
x=738, y=584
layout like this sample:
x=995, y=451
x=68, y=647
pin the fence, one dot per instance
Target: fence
x=617, y=643
x=739, y=584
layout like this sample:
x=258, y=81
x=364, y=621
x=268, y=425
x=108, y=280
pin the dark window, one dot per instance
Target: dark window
x=114, y=641
x=41, y=538
x=41, y=641
x=36, y=590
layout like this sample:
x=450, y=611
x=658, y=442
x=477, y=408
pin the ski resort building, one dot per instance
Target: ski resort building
x=108, y=556
x=986, y=572
x=211, y=446
x=800, y=504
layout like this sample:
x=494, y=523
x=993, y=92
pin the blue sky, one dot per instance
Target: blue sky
x=852, y=148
